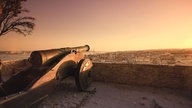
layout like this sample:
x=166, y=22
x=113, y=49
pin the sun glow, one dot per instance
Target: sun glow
x=106, y=25
x=188, y=43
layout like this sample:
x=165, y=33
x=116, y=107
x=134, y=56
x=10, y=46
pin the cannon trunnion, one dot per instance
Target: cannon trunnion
x=48, y=66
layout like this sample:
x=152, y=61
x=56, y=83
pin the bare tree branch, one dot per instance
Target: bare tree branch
x=10, y=19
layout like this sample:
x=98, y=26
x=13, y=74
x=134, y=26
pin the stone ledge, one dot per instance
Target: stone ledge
x=176, y=77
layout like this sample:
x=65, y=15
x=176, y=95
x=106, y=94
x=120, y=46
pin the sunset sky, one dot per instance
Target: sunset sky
x=106, y=25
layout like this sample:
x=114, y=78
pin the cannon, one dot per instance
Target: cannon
x=41, y=57
x=47, y=66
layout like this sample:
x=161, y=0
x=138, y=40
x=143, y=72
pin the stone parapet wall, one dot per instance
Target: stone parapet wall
x=10, y=68
x=177, y=77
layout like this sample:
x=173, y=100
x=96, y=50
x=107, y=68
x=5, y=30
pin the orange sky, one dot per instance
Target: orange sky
x=106, y=25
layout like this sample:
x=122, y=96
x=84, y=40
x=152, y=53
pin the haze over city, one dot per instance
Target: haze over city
x=106, y=25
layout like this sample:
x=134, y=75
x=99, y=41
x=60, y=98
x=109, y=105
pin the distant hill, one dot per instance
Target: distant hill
x=15, y=52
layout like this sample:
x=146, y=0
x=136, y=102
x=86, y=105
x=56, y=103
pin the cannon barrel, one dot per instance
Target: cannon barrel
x=38, y=58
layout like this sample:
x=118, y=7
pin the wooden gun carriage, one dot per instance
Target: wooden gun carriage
x=48, y=67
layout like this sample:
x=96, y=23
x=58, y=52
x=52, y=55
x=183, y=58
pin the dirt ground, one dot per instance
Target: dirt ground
x=108, y=95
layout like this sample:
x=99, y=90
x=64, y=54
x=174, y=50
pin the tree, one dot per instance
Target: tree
x=11, y=18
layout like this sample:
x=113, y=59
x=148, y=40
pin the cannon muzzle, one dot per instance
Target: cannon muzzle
x=38, y=58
